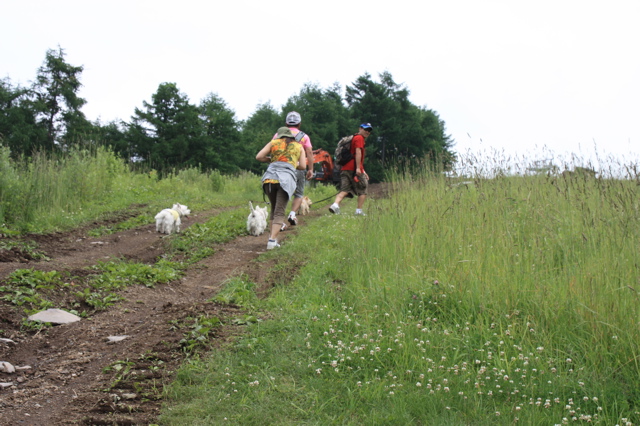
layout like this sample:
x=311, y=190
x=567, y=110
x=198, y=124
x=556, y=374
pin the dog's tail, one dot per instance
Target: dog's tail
x=251, y=206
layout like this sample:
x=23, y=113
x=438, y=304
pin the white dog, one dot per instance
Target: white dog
x=304, y=206
x=257, y=220
x=168, y=220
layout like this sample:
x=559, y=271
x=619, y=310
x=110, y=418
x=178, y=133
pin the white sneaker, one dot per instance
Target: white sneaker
x=335, y=209
x=271, y=244
x=360, y=213
x=283, y=227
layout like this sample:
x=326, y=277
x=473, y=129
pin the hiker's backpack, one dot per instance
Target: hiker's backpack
x=343, y=151
x=300, y=135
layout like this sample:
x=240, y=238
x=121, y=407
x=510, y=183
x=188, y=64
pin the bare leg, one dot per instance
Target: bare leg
x=340, y=196
x=295, y=204
x=275, y=230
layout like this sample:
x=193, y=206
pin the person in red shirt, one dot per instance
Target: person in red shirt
x=353, y=178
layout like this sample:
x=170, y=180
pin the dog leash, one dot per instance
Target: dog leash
x=264, y=195
x=324, y=199
x=314, y=202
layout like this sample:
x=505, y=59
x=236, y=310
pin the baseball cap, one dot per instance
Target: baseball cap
x=293, y=118
x=366, y=126
x=284, y=132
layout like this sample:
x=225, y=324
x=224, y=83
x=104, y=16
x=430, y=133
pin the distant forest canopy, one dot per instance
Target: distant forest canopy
x=169, y=132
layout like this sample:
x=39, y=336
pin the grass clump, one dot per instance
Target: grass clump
x=238, y=291
x=199, y=240
x=199, y=334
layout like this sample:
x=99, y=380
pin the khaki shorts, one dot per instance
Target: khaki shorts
x=301, y=178
x=347, y=184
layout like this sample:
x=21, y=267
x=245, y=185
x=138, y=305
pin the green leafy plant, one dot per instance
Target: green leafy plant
x=118, y=274
x=26, y=247
x=34, y=325
x=113, y=276
x=28, y=287
x=120, y=370
x=97, y=299
x=245, y=320
x=201, y=331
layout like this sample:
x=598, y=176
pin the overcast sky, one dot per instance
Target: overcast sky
x=559, y=76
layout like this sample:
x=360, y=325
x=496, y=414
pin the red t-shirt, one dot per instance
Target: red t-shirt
x=356, y=142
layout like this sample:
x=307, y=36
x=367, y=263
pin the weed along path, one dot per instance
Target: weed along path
x=110, y=366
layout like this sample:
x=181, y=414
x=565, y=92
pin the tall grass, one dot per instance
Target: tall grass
x=506, y=300
x=59, y=192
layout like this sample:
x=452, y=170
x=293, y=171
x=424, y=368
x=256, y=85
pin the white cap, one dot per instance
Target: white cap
x=293, y=118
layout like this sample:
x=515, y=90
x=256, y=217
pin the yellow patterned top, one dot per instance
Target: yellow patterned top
x=286, y=152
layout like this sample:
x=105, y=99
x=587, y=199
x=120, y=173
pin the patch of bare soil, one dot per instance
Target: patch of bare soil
x=77, y=376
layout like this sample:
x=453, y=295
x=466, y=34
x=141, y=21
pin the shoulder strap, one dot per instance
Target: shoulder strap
x=300, y=135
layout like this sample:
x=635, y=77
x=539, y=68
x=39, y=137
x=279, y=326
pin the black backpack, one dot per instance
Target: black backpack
x=343, y=151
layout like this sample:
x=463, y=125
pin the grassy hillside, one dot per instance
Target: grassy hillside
x=504, y=300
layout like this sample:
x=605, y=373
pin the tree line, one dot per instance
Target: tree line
x=170, y=132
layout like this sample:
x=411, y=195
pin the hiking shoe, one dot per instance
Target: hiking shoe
x=271, y=244
x=335, y=209
x=283, y=227
x=293, y=220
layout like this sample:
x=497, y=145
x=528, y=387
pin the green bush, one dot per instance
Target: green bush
x=217, y=181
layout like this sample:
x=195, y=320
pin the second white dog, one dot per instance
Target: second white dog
x=257, y=220
x=168, y=220
x=304, y=206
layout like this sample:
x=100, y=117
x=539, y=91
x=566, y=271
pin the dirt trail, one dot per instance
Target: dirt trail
x=67, y=382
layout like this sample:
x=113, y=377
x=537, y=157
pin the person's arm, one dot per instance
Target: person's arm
x=302, y=163
x=263, y=155
x=359, y=169
x=309, y=153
